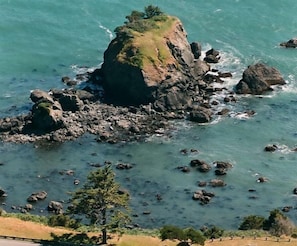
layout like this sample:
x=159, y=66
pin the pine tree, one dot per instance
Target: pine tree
x=101, y=201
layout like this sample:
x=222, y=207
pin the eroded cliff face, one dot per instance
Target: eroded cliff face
x=134, y=68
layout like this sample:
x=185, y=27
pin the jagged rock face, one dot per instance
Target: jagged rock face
x=132, y=84
x=258, y=78
x=47, y=116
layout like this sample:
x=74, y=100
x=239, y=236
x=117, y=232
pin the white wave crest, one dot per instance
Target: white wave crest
x=83, y=69
x=108, y=31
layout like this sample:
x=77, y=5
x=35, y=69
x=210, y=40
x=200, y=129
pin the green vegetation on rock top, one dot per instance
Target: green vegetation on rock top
x=142, y=38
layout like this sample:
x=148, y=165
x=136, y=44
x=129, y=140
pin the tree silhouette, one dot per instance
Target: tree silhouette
x=101, y=201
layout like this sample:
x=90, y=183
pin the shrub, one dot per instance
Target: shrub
x=278, y=224
x=282, y=226
x=213, y=232
x=195, y=236
x=135, y=16
x=62, y=220
x=74, y=239
x=141, y=21
x=252, y=222
x=172, y=232
x=151, y=11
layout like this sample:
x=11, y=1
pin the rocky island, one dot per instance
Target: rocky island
x=150, y=74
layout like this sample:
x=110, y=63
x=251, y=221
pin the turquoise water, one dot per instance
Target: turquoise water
x=41, y=41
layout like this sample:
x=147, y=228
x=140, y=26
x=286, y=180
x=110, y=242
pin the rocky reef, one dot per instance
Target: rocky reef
x=151, y=74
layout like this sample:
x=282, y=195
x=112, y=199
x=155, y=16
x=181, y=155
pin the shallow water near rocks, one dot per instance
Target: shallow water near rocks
x=41, y=42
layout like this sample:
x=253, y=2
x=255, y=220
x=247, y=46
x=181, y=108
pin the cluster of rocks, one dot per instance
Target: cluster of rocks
x=212, y=56
x=53, y=206
x=221, y=168
x=62, y=115
x=116, y=108
x=203, y=196
x=23, y=209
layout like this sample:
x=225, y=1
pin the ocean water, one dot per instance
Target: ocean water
x=41, y=41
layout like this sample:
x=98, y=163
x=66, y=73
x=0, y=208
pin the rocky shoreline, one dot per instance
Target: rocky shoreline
x=122, y=102
x=72, y=112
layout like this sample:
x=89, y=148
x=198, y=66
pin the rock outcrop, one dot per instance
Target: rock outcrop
x=292, y=43
x=157, y=67
x=259, y=78
x=34, y=197
x=151, y=74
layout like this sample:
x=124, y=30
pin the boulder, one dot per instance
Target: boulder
x=2, y=193
x=222, y=164
x=70, y=102
x=196, y=49
x=217, y=183
x=47, y=116
x=68, y=81
x=258, y=79
x=203, y=196
x=204, y=167
x=220, y=172
x=271, y=148
x=202, y=183
x=184, y=169
x=262, y=179
x=124, y=166
x=39, y=95
x=292, y=43
x=28, y=207
x=196, y=163
x=212, y=56
x=200, y=115
x=55, y=207
x=34, y=197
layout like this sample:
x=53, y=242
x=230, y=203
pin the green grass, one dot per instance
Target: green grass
x=148, y=48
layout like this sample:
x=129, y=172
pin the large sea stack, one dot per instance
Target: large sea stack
x=151, y=61
x=150, y=74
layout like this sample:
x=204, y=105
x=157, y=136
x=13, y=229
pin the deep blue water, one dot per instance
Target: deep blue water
x=41, y=41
